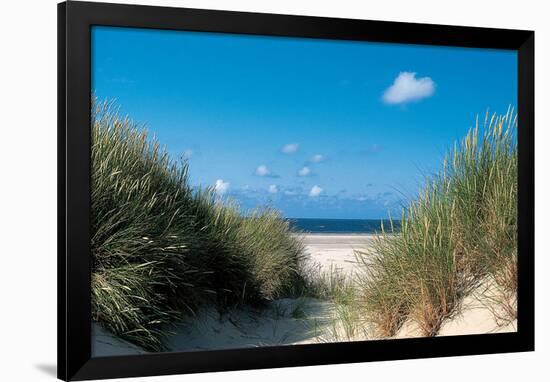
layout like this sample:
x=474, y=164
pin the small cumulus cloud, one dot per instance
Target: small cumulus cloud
x=272, y=189
x=304, y=171
x=317, y=158
x=315, y=191
x=407, y=88
x=290, y=148
x=264, y=171
x=221, y=187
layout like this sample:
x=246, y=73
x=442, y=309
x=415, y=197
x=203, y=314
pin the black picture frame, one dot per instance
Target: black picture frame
x=74, y=308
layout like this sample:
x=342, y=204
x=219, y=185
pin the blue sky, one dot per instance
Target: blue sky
x=315, y=128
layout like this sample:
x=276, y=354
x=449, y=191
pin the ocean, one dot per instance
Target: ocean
x=343, y=226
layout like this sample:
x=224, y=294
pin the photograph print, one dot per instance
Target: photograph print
x=251, y=191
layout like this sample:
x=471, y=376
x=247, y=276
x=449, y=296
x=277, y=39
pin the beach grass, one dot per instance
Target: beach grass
x=339, y=289
x=161, y=249
x=460, y=232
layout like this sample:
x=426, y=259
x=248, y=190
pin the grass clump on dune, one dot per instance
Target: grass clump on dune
x=267, y=259
x=162, y=250
x=459, y=233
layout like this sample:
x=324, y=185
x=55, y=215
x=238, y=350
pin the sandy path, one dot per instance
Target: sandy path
x=285, y=321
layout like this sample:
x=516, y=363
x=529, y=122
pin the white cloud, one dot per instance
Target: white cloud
x=305, y=171
x=187, y=153
x=290, y=148
x=221, y=187
x=263, y=170
x=273, y=189
x=406, y=88
x=317, y=158
x=315, y=191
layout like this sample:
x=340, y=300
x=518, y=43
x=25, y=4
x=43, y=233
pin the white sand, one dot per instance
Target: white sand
x=283, y=322
x=333, y=250
x=476, y=317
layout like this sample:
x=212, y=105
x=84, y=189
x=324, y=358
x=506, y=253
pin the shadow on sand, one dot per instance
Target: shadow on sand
x=286, y=321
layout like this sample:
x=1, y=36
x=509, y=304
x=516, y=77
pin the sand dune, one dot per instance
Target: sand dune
x=473, y=317
x=296, y=321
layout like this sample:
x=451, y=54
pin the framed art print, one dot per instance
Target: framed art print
x=241, y=190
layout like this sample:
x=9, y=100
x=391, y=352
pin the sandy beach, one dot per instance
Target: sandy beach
x=335, y=250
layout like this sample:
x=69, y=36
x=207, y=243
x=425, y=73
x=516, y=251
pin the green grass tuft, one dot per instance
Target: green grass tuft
x=458, y=233
x=162, y=250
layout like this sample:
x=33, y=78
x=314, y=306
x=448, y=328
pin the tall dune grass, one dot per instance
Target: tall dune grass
x=460, y=232
x=161, y=250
